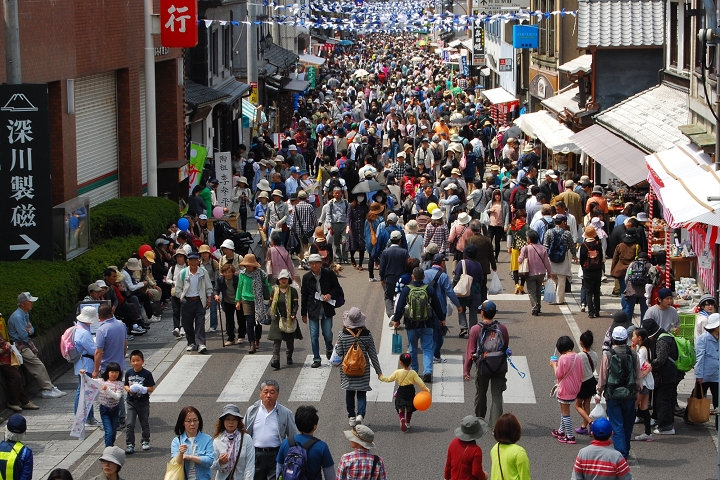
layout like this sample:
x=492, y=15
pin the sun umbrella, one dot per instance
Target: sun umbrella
x=416, y=59
x=513, y=132
x=360, y=72
x=345, y=43
x=459, y=122
x=367, y=186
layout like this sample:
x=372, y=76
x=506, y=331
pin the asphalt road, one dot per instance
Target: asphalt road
x=421, y=452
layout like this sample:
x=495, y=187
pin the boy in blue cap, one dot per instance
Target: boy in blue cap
x=600, y=460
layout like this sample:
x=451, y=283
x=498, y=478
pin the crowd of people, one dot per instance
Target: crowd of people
x=408, y=167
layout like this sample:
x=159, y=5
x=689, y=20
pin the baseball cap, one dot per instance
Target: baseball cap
x=26, y=297
x=620, y=334
x=438, y=258
x=193, y=255
x=94, y=287
x=314, y=258
x=202, y=216
x=601, y=428
x=663, y=293
x=488, y=306
x=395, y=235
x=17, y=424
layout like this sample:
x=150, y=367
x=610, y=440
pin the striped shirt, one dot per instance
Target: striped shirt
x=600, y=460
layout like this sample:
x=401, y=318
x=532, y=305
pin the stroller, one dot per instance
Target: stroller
x=242, y=240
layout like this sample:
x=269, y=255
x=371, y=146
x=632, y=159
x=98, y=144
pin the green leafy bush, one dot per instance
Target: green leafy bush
x=122, y=217
x=118, y=228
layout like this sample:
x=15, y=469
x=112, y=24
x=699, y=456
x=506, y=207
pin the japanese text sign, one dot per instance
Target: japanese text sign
x=223, y=172
x=525, y=36
x=478, y=38
x=178, y=23
x=25, y=170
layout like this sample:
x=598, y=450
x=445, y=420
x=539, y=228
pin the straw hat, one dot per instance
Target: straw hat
x=590, y=232
x=411, y=226
x=361, y=435
x=250, y=261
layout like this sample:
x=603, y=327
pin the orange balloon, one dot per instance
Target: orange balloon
x=422, y=401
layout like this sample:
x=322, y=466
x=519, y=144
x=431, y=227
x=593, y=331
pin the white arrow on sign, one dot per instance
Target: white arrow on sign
x=30, y=246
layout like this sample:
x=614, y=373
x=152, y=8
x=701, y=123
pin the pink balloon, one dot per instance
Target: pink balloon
x=217, y=212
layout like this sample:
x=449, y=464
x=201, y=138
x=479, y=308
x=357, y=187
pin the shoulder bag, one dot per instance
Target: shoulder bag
x=463, y=288
x=232, y=472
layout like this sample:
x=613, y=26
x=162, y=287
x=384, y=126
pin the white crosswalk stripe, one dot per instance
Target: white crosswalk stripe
x=311, y=382
x=179, y=379
x=242, y=386
x=448, y=385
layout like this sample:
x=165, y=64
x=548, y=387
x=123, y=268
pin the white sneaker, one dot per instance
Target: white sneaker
x=50, y=394
x=352, y=421
x=439, y=360
x=372, y=279
x=653, y=422
x=190, y=348
x=657, y=431
x=182, y=332
x=176, y=332
x=358, y=420
x=202, y=349
x=638, y=420
x=57, y=390
x=644, y=438
x=155, y=319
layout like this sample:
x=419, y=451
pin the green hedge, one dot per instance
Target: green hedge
x=118, y=228
x=122, y=217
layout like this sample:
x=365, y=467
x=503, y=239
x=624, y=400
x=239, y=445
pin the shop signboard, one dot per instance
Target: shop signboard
x=25, y=170
x=223, y=173
x=178, y=23
x=478, y=38
x=525, y=36
x=505, y=64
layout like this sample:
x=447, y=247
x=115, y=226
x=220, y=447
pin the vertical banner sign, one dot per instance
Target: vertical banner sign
x=311, y=76
x=254, y=93
x=479, y=38
x=446, y=55
x=464, y=69
x=178, y=23
x=26, y=173
x=198, y=153
x=223, y=172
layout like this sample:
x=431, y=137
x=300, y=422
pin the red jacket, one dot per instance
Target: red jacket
x=464, y=461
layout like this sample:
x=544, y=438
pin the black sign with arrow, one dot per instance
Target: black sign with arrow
x=25, y=170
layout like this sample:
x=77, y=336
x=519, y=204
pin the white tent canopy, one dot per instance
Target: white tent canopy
x=311, y=59
x=554, y=135
x=499, y=95
x=686, y=178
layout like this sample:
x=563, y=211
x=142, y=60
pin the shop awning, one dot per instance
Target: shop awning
x=499, y=95
x=543, y=126
x=468, y=44
x=197, y=95
x=614, y=153
x=454, y=43
x=234, y=90
x=297, y=85
x=312, y=59
x=567, y=99
x=280, y=57
x=249, y=111
x=683, y=177
x=650, y=119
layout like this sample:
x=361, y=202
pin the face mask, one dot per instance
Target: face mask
x=360, y=199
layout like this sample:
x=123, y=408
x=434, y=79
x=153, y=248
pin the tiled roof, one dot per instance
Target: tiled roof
x=581, y=64
x=280, y=57
x=649, y=119
x=197, y=95
x=560, y=101
x=234, y=90
x=621, y=23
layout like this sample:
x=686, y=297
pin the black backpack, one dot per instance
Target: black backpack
x=637, y=273
x=328, y=148
x=436, y=154
x=520, y=198
x=621, y=376
x=334, y=183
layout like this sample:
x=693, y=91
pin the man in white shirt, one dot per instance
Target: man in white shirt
x=268, y=423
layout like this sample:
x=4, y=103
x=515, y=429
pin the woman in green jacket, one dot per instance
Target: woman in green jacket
x=252, y=291
x=509, y=460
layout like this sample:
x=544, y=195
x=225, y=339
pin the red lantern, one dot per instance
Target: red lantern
x=178, y=23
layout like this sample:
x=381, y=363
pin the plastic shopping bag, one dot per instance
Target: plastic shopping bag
x=549, y=296
x=597, y=412
x=335, y=359
x=495, y=287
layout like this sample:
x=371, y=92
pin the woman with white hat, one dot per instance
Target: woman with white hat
x=706, y=351
x=459, y=233
x=233, y=447
x=284, y=303
x=242, y=200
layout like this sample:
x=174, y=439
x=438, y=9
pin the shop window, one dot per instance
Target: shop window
x=226, y=47
x=679, y=36
x=214, y=53
x=546, y=29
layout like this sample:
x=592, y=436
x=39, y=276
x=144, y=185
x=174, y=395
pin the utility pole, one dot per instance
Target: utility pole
x=150, y=119
x=252, y=45
x=12, y=43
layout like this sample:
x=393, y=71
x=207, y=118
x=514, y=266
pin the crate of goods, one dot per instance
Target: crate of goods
x=687, y=326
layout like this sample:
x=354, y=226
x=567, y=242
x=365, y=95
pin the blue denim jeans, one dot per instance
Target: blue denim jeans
x=91, y=414
x=631, y=302
x=425, y=336
x=350, y=402
x=623, y=302
x=110, y=417
x=315, y=325
x=621, y=414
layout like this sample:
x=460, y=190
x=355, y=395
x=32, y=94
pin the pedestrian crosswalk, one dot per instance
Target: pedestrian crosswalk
x=311, y=384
